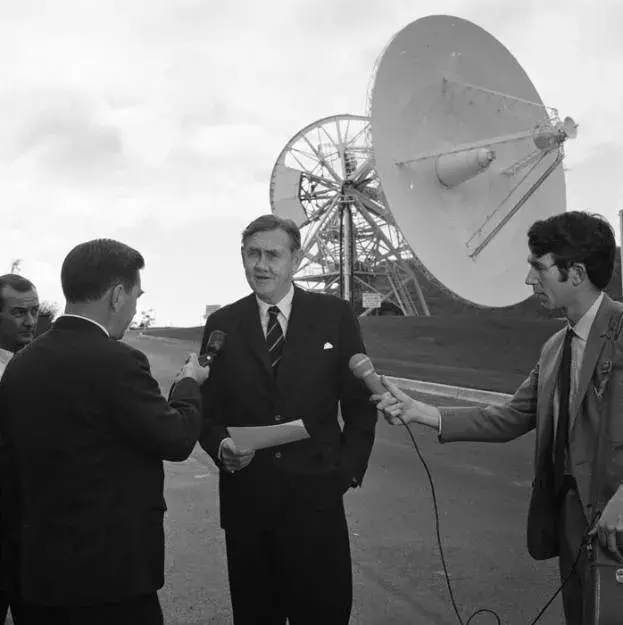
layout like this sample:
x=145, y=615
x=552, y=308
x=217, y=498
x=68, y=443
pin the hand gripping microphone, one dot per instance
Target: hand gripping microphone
x=362, y=368
x=216, y=342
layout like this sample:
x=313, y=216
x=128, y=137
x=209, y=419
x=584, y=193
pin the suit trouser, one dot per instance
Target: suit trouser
x=140, y=610
x=571, y=530
x=301, y=571
x=4, y=606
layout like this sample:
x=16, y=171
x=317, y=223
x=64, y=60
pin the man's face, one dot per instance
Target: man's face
x=125, y=309
x=269, y=264
x=547, y=282
x=18, y=318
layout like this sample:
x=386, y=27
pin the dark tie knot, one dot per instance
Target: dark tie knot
x=273, y=311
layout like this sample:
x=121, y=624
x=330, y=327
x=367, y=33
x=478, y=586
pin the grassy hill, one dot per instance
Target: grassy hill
x=489, y=352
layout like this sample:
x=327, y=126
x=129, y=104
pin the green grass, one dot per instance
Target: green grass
x=491, y=352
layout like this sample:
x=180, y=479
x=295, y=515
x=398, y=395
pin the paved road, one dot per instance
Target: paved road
x=482, y=493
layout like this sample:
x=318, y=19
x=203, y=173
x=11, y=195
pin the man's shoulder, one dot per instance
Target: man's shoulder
x=229, y=311
x=324, y=301
x=122, y=350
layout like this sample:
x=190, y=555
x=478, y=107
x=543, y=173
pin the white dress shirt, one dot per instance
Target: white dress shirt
x=5, y=356
x=581, y=330
x=285, y=308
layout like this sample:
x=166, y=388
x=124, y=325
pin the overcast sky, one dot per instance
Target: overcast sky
x=157, y=122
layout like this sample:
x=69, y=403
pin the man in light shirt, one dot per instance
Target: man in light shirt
x=571, y=261
x=19, y=311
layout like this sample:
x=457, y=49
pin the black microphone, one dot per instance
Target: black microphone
x=216, y=342
x=362, y=368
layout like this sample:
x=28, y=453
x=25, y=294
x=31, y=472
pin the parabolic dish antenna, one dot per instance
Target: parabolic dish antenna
x=467, y=154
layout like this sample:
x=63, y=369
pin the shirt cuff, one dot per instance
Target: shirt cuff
x=220, y=448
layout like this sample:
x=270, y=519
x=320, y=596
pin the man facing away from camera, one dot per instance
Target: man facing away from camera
x=87, y=430
x=19, y=311
x=571, y=262
x=286, y=358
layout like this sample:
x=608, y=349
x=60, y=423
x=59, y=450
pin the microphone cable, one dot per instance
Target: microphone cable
x=443, y=557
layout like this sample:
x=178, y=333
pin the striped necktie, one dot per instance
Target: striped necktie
x=274, y=337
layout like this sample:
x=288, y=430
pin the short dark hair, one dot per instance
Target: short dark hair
x=91, y=268
x=576, y=237
x=268, y=222
x=15, y=281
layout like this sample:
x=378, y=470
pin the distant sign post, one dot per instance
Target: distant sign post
x=371, y=300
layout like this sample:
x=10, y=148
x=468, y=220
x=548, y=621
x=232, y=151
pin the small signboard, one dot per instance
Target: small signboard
x=371, y=300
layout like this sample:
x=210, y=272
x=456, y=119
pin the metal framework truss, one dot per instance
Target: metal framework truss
x=325, y=179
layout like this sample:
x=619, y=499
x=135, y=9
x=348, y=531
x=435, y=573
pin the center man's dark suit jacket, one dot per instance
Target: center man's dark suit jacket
x=87, y=429
x=313, y=376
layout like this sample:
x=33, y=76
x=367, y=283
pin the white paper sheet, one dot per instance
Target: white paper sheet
x=262, y=436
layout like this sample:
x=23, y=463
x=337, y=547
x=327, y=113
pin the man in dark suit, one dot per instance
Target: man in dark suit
x=286, y=358
x=87, y=430
x=19, y=311
x=571, y=262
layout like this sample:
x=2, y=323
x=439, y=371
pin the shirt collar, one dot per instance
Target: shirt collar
x=99, y=325
x=284, y=305
x=583, y=327
x=5, y=356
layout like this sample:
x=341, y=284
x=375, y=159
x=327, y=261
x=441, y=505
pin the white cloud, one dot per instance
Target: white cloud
x=158, y=121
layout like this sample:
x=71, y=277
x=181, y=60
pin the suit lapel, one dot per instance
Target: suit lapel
x=594, y=346
x=549, y=366
x=251, y=330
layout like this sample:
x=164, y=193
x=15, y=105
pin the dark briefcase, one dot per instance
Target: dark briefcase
x=603, y=587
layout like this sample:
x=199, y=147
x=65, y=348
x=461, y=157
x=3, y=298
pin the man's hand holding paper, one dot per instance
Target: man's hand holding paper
x=237, y=451
x=233, y=457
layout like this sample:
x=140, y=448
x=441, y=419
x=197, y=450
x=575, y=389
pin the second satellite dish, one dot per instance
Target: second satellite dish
x=467, y=154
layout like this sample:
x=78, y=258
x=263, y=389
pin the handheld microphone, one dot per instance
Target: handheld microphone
x=362, y=368
x=216, y=342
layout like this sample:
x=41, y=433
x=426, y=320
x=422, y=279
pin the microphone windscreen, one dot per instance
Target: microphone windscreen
x=362, y=368
x=215, y=344
x=360, y=365
x=216, y=341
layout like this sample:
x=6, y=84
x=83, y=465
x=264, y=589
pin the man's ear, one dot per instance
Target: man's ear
x=117, y=297
x=297, y=257
x=578, y=273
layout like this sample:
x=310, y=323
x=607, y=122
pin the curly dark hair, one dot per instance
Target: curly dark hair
x=576, y=237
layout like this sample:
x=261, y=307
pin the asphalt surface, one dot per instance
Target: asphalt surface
x=482, y=493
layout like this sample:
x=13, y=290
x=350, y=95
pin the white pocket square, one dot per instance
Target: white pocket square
x=327, y=346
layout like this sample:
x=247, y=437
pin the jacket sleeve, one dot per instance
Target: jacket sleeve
x=212, y=429
x=358, y=413
x=168, y=429
x=493, y=424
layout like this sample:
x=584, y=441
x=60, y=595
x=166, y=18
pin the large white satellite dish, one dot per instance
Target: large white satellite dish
x=467, y=154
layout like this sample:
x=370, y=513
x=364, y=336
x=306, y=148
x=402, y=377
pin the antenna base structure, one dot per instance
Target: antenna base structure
x=325, y=180
x=467, y=154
